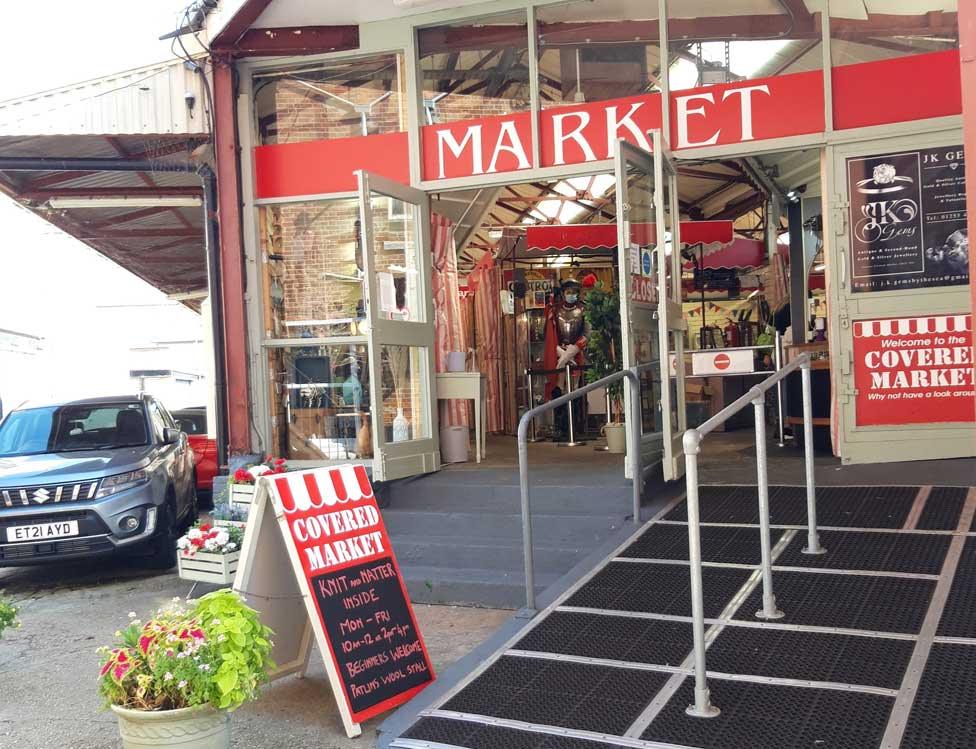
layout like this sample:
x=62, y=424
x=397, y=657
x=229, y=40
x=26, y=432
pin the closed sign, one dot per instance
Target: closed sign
x=717, y=362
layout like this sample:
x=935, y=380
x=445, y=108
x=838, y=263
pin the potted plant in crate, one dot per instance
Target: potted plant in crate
x=225, y=514
x=174, y=680
x=208, y=554
x=603, y=354
x=242, y=481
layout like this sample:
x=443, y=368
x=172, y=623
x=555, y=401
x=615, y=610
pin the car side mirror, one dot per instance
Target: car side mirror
x=171, y=436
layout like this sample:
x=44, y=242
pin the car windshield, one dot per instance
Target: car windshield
x=61, y=429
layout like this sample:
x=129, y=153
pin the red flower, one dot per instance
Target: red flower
x=241, y=476
x=280, y=462
x=205, y=527
x=198, y=542
x=589, y=280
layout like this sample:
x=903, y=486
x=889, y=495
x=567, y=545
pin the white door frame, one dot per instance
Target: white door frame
x=402, y=459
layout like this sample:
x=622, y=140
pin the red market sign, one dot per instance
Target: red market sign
x=727, y=114
x=914, y=370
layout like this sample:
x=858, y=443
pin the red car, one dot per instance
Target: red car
x=193, y=421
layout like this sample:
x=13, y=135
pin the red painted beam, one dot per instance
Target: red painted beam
x=233, y=284
x=108, y=192
x=967, y=55
x=239, y=23
x=294, y=40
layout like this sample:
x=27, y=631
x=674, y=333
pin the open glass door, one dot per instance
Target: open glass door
x=400, y=332
x=650, y=298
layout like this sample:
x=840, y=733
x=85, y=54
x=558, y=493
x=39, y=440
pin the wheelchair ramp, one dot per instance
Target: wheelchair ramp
x=877, y=648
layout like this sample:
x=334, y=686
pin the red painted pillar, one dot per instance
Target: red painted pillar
x=233, y=281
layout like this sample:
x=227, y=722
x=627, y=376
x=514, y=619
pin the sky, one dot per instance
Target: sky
x=89, y=311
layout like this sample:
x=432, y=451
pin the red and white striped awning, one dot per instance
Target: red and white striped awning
x=913, y=326
x=301, y=492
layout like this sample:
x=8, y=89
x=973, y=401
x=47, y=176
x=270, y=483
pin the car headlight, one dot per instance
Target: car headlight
x=121, y=482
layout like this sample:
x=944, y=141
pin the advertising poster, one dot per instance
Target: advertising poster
x=914, y=370
x=908, y=220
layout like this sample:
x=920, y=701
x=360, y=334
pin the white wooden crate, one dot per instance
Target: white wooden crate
x=209, y=568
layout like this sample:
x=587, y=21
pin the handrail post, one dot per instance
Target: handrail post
x=778, y=362
x=523, y=452
x=703, y=708
x=813, y=538
x=633, y=382
x=769, y=609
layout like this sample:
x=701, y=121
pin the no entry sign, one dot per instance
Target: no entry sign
x=337, y=557
x=718, y=362
x=914, y=370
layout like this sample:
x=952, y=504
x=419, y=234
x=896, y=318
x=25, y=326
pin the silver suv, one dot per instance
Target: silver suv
x=93, y=477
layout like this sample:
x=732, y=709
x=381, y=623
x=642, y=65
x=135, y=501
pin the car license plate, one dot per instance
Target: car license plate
x=42, y=531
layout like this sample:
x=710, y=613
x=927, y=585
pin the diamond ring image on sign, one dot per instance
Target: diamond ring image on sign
x=317, y=563
x=884, y=180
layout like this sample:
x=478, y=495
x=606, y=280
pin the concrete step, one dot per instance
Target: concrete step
x=452, y=553
x=497, y=527
x=563, y=499
x=471, y=587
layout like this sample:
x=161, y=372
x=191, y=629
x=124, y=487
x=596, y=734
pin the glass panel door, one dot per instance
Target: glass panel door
x=672, y=325
x=400, y=330
x=650, y=294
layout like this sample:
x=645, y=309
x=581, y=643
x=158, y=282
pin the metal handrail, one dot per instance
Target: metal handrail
x=691, y=442
x=523, y=452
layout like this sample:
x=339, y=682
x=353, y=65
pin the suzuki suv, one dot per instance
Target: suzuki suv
x=92, y=477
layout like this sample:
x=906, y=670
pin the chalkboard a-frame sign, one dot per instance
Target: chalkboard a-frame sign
x=316, y=562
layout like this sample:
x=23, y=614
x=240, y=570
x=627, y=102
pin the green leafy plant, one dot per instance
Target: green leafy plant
x=603, y=347
x=243, y=647
x=216, y=652
x=8, y=616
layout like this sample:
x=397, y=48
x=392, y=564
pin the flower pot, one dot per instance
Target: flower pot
x=242, y=494
x=206, y=567
x=229, y=524
x=200, y=727
x=616, y=435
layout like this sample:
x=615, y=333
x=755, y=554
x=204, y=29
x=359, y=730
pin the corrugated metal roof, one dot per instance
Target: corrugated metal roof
x=150, y=100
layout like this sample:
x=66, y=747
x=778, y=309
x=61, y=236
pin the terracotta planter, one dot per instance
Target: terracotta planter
x=208, y=568
x=200, y=727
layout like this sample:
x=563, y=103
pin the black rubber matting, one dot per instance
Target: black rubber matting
x=619, y=638
x=657, y=588
x=811, y=656
x=556, y=693
x=959, y=614
x=944, y=713
x=855, y=550
x=762, y=716
x=883, y=604
x=726, y=545
x=943, y=508
x=478, y=736
x=844, y=507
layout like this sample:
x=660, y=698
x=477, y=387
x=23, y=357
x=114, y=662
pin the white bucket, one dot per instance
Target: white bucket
x=456, y=361
x=454, y=444
x=616, y=437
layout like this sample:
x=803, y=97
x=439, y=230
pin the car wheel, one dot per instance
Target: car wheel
x=162, y=555
x=192, y=509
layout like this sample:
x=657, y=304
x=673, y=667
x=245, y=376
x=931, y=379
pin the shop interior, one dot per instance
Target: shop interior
x=544, y=240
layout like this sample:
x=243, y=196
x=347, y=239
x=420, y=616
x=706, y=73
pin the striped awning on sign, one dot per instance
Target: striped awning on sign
x=913, y=326
x=301, y=492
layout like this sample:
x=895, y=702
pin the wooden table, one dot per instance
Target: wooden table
x=467, y=386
